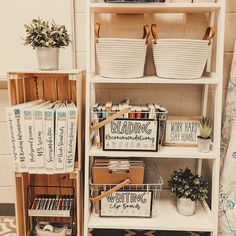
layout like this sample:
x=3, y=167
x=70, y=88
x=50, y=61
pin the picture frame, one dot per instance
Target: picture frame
x=128, y=145
x=124, y=209
x=182, y=131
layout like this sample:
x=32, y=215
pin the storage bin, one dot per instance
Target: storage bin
x=120, y=57
x=106, y=197
x=181, y=58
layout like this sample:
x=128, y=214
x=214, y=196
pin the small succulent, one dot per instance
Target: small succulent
x=205, y=128
x=183, y=183
x=40, y=33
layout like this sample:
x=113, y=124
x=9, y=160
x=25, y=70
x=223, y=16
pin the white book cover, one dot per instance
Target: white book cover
x=49, y=137
x=60, y=139
x=71, y=136
x=15, y=131
x=29, y=137
x=39, y=138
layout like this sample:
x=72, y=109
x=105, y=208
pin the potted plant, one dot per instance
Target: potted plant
x=47, y=39
x=188, y=189
x=204, y=139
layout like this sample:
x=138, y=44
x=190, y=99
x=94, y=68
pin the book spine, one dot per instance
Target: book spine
x=28, y=136
x=38, y=121
x=49, y=141
x=12, y=136
x=60, y=151
x=23, y=165
x=71, y=139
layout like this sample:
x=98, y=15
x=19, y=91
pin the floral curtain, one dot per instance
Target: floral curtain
x=227, y=198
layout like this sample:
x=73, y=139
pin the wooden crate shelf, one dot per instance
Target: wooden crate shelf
x=68, y=85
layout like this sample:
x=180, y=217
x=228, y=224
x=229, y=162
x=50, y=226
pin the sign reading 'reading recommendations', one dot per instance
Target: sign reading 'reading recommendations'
x=127, y=204
x=125, y=134
x=182, y=131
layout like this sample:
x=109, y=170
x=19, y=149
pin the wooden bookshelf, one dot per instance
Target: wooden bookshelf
x=27, y=86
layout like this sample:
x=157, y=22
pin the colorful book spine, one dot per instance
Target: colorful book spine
x=23, y=163
x=29, y=139
x=60, y=139
x=71, y=137
x=49, y=138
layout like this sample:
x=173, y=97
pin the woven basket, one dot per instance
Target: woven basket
x=121, y=58
x=181, y=58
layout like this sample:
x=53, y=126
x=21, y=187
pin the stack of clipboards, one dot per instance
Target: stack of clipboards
x=115, y=171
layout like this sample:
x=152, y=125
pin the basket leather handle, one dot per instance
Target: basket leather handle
x=210, y=33
x=97, y=31
x=154, y=32
x=146, y=32
x=110, y=191
x=110, y=119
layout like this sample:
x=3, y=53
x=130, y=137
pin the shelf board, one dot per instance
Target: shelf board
x=47, y=72
x=167, y=218
x=210, y=78
x=131, y=8
x=165, y=152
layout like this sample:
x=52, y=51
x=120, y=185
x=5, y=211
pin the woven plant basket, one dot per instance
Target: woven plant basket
x=181, y=58
x=121, y=58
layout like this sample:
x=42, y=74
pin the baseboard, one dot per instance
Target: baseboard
x=7, y=209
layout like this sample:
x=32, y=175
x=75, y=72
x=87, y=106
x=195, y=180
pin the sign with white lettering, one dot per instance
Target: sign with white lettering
x=182, y=131
x=127, y=203
x=131, y=135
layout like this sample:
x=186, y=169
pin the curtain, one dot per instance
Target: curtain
x=227, y=197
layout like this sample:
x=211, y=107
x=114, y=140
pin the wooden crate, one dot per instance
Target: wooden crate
x=26, y=86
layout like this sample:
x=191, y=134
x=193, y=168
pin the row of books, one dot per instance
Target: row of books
x=148, y=111
x=43, y=136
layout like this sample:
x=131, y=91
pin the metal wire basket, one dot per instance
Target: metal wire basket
x=153, y=182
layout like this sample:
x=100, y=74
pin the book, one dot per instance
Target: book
x=71, y=136
x=29, y=137
x=39, y=137
x=49, y=137
x=60, y=138
x=15, y=131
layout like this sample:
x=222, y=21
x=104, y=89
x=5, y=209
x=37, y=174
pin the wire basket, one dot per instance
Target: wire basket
x=158, y=117
x=153, y=183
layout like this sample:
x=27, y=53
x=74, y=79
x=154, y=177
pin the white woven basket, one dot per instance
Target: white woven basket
x=180, y=58
x=121, y=58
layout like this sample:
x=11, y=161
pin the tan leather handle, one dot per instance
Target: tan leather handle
x=97, y=31
x=110, y=191
x=110, y=119
x=210, y=33
x=146, y=32
x=154, y=32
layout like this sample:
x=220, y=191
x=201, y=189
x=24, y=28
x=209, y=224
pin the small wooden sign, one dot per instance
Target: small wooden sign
x=127, y=203
x=130, y=135
x=182, y=131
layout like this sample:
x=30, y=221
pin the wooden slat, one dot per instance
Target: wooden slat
x=40, y=88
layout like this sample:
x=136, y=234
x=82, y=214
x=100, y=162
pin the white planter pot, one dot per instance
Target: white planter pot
x=204, y=145
x=186, y=207
x=48, y=58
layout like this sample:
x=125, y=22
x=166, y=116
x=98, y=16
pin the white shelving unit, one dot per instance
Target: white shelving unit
x=206, y=217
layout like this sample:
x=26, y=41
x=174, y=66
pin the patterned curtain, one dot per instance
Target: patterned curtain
x=227, y=200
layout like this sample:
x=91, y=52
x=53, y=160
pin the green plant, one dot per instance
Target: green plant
x=183, y=183
x=205, y=128
x=40, y=33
